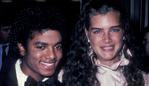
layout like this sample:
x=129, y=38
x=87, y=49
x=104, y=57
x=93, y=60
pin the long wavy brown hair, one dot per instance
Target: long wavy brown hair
x=79, y=69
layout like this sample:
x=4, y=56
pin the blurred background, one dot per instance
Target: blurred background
x=138, y=9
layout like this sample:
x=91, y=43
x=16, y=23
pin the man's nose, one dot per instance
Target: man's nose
x=51, y=53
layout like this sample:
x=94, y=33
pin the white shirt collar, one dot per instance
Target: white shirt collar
x=21, y=80
x=21, y=77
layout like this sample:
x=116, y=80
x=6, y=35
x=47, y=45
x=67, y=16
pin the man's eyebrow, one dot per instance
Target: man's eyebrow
x=44, y=43
x=38, y=42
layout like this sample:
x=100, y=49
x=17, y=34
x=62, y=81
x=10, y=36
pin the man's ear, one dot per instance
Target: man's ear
x=86, y=32
x=21, y=49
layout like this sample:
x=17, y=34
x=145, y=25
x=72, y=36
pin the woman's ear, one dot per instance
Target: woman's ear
x=86, y=32
x=21, y=49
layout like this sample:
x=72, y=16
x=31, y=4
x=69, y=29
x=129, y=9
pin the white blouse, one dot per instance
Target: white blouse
x=112, y=75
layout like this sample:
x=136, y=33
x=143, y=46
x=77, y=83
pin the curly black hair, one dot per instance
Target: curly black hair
x=38, y=18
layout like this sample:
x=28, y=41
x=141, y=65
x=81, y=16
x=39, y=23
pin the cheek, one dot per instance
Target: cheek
x=96, y=43
x=59, y=55
x=118, y=43
x=93, y=43
x=117, y=38
x=30, y=59
x=94, y=39
x=34, y=54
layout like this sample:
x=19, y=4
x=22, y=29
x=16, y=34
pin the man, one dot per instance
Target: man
x=7, y=46
x=40, y=46
x=8, y=49
x=4, y=33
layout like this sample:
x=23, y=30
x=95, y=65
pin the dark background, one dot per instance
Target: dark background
x=138, y=9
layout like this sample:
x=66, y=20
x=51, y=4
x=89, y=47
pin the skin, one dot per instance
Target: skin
x=105, y=36
x=42, y=55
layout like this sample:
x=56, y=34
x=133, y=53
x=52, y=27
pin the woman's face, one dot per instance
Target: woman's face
x=105, y=36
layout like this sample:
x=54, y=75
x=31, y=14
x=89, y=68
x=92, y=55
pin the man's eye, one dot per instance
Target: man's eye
x=40, y=47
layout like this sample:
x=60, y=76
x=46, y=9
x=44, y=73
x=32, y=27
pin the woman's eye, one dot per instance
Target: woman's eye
x=59, y=47
x=115, y=29
x=96, y=31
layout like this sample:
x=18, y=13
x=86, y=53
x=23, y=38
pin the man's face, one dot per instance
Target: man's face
x=105, y=36
x=43, y=54
x=4, y=33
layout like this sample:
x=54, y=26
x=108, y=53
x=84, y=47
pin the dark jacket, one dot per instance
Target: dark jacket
x=8, y=78
x=8, y=62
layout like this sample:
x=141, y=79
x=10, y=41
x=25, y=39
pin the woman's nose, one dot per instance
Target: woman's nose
x=106, y=37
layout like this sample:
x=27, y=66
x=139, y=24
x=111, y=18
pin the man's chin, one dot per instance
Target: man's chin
x=48, y=74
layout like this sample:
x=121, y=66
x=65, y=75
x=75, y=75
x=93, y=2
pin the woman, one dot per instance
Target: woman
x=101, y=53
